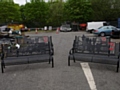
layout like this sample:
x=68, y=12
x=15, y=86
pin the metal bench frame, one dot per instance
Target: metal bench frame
x=27, y=51
x=91, y=50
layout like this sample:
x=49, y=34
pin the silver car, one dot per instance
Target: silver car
x=2, y=28
x=65, y=28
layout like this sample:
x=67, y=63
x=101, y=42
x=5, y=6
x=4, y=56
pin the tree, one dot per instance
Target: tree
x=36, y=12
x=105, y=9
x=9, y=12
x=77, y=10
x=55, y=12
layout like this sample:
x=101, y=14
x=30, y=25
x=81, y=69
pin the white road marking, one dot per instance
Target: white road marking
x=89, y=76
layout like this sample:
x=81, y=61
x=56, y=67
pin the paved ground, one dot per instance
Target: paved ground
x=62, y=77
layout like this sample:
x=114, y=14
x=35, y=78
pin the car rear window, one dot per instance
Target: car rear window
x=67, y=26
x=100, y=27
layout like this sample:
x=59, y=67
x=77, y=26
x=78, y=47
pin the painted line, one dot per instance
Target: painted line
x=89, y=76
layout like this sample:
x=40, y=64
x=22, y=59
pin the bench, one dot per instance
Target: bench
x=36, y=39
x=40, y=39
x=95, y=49
x=28, y=53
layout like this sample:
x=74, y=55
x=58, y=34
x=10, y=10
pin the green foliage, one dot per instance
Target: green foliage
x=35, y=12
x=55, y=13
x=9, y=12
x=77, y=10
x=39, y=13
x=105, y=9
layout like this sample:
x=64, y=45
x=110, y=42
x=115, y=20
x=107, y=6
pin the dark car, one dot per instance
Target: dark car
x=115, y=33
x=75, y=27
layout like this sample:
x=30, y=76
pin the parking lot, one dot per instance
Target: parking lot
x=62, y=77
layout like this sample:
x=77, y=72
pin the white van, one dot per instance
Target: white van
x=91, y=26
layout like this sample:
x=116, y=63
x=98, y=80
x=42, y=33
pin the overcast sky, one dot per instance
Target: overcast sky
x=21, y=2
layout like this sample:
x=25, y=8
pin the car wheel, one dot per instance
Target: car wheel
x=91, y=31
x=102, y=34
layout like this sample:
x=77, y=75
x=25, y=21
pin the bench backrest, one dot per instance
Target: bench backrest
x=34, y=49
x=31, y=46
x=27, y=49
x=95, y=45
x=37, y=39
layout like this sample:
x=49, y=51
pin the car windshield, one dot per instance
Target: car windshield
x=67, y=26
x=100, y=27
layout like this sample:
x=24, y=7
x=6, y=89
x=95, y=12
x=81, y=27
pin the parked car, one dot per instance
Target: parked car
x=2, y=28
x=65, y=28
x=91, y=26
x=74, y=26
x=115, y=33
x=105, y=30
x=4, y=31
x=83, y=26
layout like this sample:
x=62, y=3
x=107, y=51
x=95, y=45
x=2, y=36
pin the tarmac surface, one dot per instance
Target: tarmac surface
x=41, y=76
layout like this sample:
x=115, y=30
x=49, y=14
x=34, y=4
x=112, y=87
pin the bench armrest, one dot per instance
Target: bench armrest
x=2, y=56
x=119, y=56
x=52, y=51
x=71, y=51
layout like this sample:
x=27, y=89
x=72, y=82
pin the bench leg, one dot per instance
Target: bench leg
x=53, y=51
x=68, y=60
x=2, y=67
x=117, y=66
x=52, y=62
x=74, y=59
x=49, y=60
